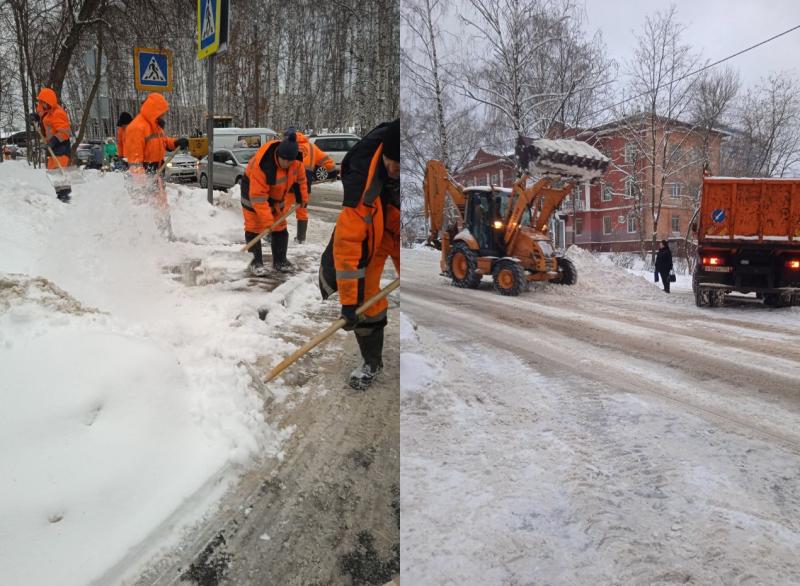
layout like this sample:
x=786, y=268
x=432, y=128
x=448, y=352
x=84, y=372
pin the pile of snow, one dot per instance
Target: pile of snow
x=598, y=278
x=124, y=391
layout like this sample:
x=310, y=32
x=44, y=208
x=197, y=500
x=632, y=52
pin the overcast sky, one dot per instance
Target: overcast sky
x=715, y=27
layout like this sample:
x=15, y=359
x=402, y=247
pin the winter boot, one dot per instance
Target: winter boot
x=257, y=269
x=363, y=376
x=370, y=342
x=63, y=195
x=279, y=245
x=258, y=261
x=302, y=227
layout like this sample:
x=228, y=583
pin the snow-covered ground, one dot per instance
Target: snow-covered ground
x=603, y=433
x=127, y=401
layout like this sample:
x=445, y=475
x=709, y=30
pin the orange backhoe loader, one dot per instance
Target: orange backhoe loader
x=504, y=232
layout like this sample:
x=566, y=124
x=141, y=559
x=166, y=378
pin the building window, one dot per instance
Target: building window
x=605, y=192
x=676, y=190
x=606, y=224
x=488, y=180
x=676, y=224
x=631, y=224
x=494, y=179
x=630, y=152
x=630, y=188
x=578, y=226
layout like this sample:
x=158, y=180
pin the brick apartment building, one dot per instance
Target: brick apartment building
x=487, y=169
x=615, y=214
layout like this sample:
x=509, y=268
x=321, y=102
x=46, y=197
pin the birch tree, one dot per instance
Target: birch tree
x=653, y=129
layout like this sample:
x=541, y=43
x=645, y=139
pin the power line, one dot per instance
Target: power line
x=695, y=72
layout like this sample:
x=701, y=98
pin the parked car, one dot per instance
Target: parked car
x=182, y=167
x=229, y=165
x=335, y=145
x=90, y=154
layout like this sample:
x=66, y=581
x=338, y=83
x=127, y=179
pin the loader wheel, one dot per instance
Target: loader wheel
x=463, y=265
x=567, y=273
x=508, y=277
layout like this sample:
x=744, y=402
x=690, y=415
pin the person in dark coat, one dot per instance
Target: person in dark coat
x=664, y=263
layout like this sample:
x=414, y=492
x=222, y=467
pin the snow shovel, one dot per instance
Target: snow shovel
x=324, y=335
x=167, y=162
x=67, y=178
x=283, y=216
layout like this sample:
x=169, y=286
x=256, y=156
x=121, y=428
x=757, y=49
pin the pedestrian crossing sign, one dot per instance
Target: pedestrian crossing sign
x=152, y=69
x=209, y=27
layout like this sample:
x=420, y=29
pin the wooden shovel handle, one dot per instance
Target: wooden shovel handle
x=250, y=244
x=329, y=331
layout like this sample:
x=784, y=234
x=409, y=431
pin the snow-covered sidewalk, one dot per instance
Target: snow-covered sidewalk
x=125, y=391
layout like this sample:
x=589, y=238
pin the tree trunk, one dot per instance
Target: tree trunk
x=59, y=71
x=87, y=108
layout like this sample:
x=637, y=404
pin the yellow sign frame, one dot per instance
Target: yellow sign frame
x=213, y=47
x=142, y=87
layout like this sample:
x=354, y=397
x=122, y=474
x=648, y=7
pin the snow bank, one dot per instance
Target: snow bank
x=122, y=386
x=599, y=278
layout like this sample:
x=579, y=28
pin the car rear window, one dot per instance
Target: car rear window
x=336, y=144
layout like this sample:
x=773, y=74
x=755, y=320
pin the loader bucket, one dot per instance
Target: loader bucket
x=562, y=157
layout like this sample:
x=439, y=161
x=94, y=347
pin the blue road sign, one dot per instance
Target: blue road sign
x=152, y=69
x=718, y=216
x=209, y=27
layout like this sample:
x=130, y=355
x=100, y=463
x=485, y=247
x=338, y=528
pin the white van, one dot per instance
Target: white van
x=234, y=138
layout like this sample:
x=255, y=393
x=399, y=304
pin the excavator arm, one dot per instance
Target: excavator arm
x=543, y=199
x=436, y=186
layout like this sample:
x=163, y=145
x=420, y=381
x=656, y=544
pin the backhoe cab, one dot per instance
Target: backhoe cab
x=504, y=232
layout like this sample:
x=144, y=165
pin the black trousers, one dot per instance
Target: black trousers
x=664, y=279
x=370, y=342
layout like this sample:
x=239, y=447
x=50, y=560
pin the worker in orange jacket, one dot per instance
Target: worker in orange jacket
x=313, y=157
x=145, y=143
x=367, y=233
x=56, y=130
x=122, y=123
x=274, y=176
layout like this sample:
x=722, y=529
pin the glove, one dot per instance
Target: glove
x=349, y=315
x=53, y=142
x=182, y=143
x=34, y=117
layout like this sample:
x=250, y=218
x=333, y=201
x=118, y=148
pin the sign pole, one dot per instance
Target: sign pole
x=210, y=129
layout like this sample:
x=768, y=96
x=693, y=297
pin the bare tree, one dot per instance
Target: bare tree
x=765, y=140
x=532, y=66
x=712, y=103
x=658, y=140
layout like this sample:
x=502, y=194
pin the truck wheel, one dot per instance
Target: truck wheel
x=567, y=273
x=698, y=293
x=775, y=300
x=508, y=277
x=463, y=264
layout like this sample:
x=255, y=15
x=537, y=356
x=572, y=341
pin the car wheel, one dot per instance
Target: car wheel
x=203, y=180
x=321, y=174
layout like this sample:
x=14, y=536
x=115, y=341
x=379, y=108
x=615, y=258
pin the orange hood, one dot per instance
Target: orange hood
x=154, y=107
x=48, y=96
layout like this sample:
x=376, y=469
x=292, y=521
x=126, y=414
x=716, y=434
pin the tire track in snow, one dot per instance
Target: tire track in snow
x=630, y=363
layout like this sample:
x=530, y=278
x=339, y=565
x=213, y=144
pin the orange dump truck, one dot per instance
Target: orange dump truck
x=748, y=240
